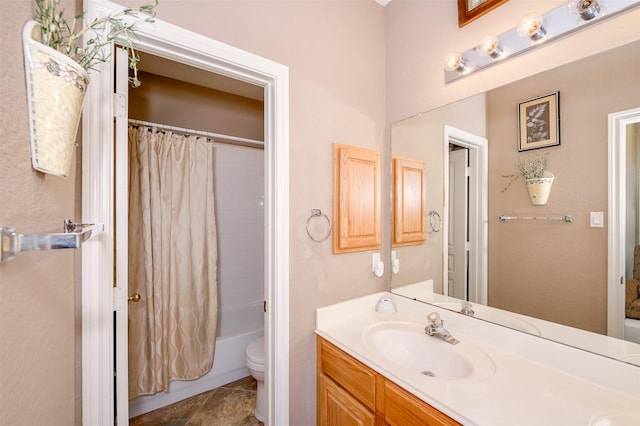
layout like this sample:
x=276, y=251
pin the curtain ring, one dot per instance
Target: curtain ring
x=318, y=213
x=436, y=224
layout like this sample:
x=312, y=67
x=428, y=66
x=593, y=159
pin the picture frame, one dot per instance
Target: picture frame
x=539, y=122
x=470, y=10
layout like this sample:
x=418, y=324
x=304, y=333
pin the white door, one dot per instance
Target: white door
x=121, y=215
x=458, y=224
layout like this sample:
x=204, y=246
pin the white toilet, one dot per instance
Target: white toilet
x=255, y=363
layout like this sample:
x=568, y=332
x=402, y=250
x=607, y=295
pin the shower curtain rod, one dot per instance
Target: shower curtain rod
x=217, y=137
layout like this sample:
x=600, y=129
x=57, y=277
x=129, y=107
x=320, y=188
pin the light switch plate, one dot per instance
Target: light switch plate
x=597, y=220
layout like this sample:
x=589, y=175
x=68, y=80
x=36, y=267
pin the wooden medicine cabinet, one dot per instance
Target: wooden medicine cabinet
x=356, y=199
x=409, y=217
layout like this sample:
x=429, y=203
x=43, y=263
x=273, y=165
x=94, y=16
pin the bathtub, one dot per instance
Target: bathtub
x=236, y=329
x=632, y=330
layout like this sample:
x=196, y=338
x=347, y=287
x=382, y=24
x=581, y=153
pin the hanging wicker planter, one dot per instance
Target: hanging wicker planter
x=539, y=189
x=56, y=87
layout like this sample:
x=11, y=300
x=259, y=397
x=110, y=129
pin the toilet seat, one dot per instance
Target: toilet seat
x=255, y=352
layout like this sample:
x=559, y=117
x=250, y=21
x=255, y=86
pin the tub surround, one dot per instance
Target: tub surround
x=536, y=381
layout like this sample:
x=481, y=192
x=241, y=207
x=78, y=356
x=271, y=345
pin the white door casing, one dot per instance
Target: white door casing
x=121, y=215
x=98, y=206
x=618, y=123
x=458, y=216
x=478, y=209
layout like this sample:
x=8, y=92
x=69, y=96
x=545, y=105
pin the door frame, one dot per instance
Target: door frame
x=478, y=210
x=618, y=122
x=181, y=45
x=460, y=177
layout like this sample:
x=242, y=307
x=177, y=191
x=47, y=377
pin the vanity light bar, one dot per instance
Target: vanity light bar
x=534, y=30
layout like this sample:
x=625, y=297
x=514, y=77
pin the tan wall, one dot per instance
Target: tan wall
x=557, y=271
x=38, y=324
x=176, y=103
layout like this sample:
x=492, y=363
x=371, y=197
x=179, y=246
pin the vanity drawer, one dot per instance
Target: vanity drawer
x=402, y=408
x=355, y=377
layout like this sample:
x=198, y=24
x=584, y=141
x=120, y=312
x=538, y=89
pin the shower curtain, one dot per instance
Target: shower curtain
x=172, y=259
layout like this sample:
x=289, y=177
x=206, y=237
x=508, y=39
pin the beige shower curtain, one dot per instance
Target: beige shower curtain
x=172, y=259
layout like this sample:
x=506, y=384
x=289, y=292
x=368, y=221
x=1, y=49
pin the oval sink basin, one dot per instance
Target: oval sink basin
x=618, y=418
x=496, y=317
x=408, y=347
x=632, y=359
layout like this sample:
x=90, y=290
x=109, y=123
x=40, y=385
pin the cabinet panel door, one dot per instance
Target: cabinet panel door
x=356, y=206
x=338, y=407
x=409, y=217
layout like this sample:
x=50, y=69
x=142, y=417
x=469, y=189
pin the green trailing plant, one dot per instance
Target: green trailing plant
x=533, y=167
x=67, y=38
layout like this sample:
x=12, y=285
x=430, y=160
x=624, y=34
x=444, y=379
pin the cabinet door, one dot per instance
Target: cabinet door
x=356, y=205
x=338, y=407
x=402, y=408
x=409, y=218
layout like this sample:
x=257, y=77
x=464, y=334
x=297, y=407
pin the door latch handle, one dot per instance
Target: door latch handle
x=135, y=298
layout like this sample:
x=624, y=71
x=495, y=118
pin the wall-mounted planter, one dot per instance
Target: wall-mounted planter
x=539, y=189
x=56, y=86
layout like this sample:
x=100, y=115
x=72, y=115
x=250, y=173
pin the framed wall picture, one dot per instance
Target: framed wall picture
x=539, y=122
x=470, y=10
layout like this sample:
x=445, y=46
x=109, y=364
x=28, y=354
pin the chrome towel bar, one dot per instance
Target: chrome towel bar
x=566, y=218
x=72, y=237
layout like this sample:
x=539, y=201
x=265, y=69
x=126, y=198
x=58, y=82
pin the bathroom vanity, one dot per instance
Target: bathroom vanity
x=381, y=368
x=350, y=392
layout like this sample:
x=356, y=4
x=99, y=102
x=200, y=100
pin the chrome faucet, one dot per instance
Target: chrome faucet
x=435, y=329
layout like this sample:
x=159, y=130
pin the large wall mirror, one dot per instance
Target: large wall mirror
x=534, y=273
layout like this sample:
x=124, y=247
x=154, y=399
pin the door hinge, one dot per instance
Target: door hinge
x=119, y=105
x=264, y=305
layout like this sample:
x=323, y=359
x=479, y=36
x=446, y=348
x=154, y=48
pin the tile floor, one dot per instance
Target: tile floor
x=229, y=405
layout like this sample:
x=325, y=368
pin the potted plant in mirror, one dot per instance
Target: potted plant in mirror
x=537, y=178
x=56, y=70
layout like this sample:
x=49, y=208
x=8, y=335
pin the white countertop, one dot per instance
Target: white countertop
x=536, y=381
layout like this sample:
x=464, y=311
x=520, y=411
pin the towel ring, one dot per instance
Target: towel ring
x=436, y=224
x=318, y=213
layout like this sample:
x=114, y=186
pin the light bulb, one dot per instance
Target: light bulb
x=454, y=62
x=586, y=9
x=490, y=46
x=531, y=26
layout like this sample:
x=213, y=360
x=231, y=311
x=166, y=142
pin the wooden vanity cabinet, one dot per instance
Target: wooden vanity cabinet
x=350, y=393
